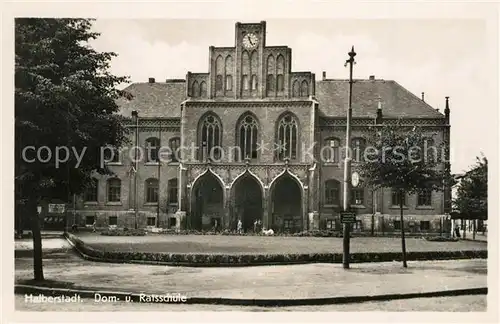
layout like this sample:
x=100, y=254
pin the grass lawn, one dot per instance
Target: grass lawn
x=264, y=244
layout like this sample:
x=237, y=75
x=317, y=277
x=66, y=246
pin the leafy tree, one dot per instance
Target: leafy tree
x=64, y=97
x=404, y=159
x=472, y=193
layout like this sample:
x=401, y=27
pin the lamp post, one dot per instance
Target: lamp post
x=347, y=166
x=135, y=116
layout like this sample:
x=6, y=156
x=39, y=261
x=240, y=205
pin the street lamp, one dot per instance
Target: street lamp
x=347, y=166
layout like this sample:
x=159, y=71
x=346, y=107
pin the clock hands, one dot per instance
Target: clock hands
x=250, y=40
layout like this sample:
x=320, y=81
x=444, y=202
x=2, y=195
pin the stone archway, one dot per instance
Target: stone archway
x=247, y=202
x=286, y=205
x=207, y=203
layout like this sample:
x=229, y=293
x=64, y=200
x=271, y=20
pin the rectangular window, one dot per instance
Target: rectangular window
x=425, y=225
x=330, y=224
x=332, y=196
x=229, y=82
x=397, y=225
x=288, y=224
x=113, y=220
x=358, y=226
x=151, y=221
x=92, y=191
x=396, y=196
x=425, y=198
x=152, y=194
x=114, y=191
x=357, y=196
x=173, y=222
x=173, y=191
x=89, y=220
x=112, y=154
x=332, y=150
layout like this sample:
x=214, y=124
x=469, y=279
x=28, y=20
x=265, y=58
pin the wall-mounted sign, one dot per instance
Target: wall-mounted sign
x=56, y=208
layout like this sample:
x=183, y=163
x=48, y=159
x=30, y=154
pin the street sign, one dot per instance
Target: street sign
x=347, y=218
x=56, y=208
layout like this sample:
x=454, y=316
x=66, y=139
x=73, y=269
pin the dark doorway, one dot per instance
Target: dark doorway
x=286, y=205
x=207, y=202
x=247, y=199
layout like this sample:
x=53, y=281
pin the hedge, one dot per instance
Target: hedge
x=116, y=232
x=224, y=260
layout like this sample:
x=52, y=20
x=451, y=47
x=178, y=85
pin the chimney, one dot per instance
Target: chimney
x=151, y=80
x=378, y=120
x=324, y=75
x=372, y=77
x=423, y=97
x=447, y=110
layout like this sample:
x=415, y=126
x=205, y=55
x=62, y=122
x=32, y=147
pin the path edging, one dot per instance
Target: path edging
x=136, y=297
x=200, y=260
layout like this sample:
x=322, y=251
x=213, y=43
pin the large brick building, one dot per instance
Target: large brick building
x=265, y=117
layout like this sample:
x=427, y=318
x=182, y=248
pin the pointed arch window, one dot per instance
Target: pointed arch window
x=244, y=82
x=254, y=82
x=247, y=136
x=210, y=137
x=195, y=89
x=203, y=89
x=270, y=84
x=218, y=83
x=175, y=144
x=287, y=137
x=304, y=89
x=280, y=69
x=296, y=89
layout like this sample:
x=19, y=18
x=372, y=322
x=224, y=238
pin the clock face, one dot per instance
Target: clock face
x=250, y=41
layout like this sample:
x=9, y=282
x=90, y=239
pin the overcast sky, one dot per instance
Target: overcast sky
x=438, y=57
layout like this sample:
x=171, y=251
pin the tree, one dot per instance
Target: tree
x=404, y=159
x=472, y=193
x=65, y=101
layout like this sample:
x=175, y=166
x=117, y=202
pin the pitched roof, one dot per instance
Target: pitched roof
x=159, y=99
x=332, y=95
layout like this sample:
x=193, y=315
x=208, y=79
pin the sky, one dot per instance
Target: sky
x=440, y=57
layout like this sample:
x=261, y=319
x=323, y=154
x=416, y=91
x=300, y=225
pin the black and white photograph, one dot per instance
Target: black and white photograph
x=259, y=163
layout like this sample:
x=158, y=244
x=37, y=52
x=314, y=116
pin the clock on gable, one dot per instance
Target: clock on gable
x=250, y=41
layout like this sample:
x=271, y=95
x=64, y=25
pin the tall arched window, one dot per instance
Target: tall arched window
x=247, y=132
x=174, y=144
x=296, y=89
x=280, y=70
x=254, y=82
x=152, y=190
x=152, y=148
x=114, y=190
x=332, y=192
x=210, y=137
x=228, y=72
x=203, y=89
x=304, y=89
x=173, y=190
x=270, y=84
x=195, y=89
x=219, y=70
x=287, y=137
x=358, y=149
x=331, y=150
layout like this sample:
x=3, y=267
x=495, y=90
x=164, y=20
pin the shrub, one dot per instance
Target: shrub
x=116, y=232
x=441, y=239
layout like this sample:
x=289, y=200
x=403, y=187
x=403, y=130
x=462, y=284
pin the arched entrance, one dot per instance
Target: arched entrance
x=286, y=205
x=207, y=201
x=246, y=197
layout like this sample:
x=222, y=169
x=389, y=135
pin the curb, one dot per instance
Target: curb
x=324, y=258
x=136, y=297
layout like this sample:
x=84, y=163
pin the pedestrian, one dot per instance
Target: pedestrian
x=259, y=225
x=239, y=226
x=457, y=231
x=215, y=226
x=93, y=226
x=255, y=226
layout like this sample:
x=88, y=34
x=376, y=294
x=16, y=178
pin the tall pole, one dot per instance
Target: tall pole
x=159, y=175
x=347, y=166
x=136, y=165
